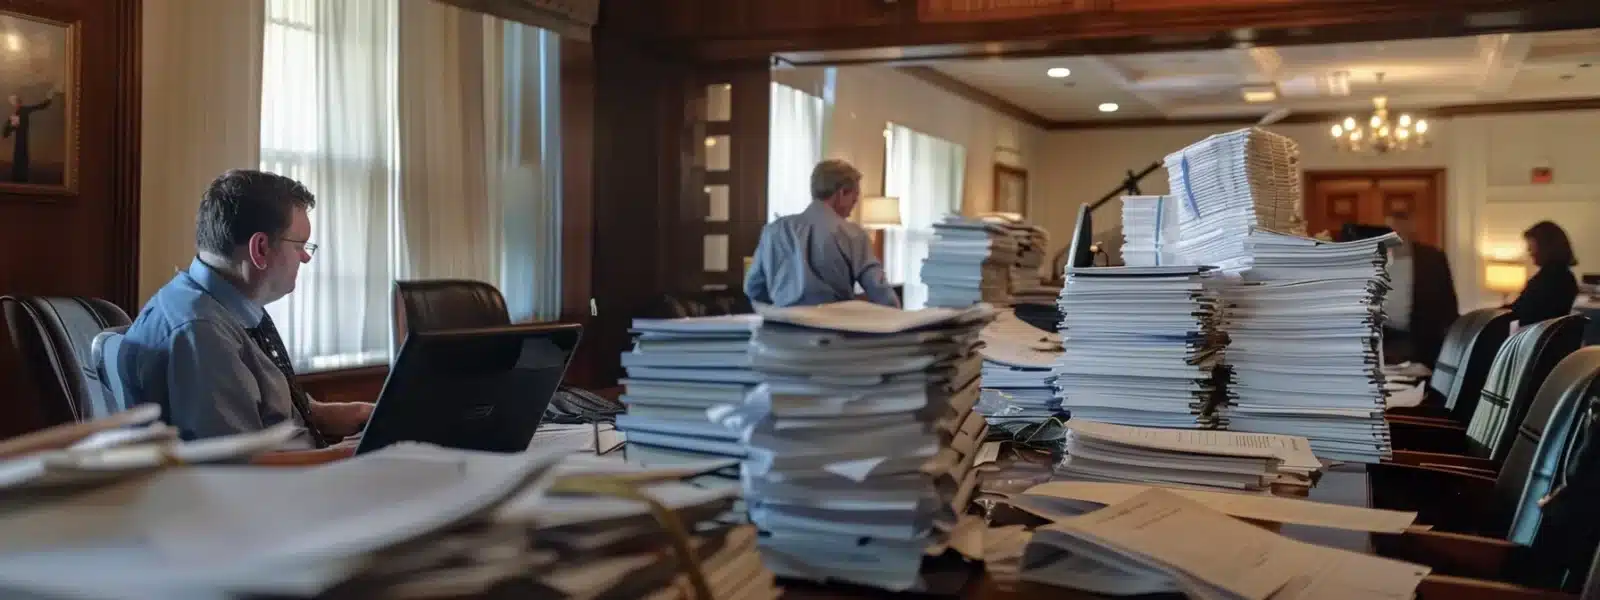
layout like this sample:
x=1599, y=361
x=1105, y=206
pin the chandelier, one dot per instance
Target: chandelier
x=1380, y=134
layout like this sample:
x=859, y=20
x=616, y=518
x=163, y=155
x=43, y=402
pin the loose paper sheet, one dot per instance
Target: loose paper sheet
x=1246, y=506
x=1294, y=451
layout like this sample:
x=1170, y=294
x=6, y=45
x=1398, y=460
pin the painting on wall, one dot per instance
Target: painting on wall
x=1010, y=190
x=38, y=79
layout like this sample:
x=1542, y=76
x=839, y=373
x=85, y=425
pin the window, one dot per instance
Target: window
x=796, y=148
x=927, y=174
x=333, y=97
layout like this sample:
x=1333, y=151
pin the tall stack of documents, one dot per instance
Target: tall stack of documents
x=1017, y=361
x=1149, y=231
x=1142, y=346
x=1228, y=183
x=677, y=369
x=1305, y=333
x=862, y=439
x=1244, y=462
x=408, y=521
x=969, y=261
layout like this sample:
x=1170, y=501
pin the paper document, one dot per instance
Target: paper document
x=1405, y=398
x=1295, y=452
x=1164, y=530
x=1273, y=509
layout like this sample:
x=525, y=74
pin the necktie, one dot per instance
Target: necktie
x=266, y=337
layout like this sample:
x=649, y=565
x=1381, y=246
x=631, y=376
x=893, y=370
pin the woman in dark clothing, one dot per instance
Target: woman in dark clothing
x=1551, y=291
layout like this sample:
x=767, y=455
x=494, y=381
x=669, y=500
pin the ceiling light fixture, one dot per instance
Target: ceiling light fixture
x=1259, y=94
x=1058, y=72
x=1108, y=107
x=1379, y=134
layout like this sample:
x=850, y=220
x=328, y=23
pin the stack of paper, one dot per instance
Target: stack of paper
x=1219, y=459
x=1017, y=361
x=1306, y=344
x=678, y=369
x=1149, y=231
x=1158, y=541
x=862, y=439
x=1228, y=183
x=969, y=261
x=1142, y=346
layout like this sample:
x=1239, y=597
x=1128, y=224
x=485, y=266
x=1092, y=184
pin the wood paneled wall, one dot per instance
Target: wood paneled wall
x=83, y=243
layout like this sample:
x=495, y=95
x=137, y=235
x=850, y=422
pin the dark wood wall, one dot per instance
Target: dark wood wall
x=82, y=243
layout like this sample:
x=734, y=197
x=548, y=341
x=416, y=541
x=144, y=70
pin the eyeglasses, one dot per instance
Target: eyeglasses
x=310, y=247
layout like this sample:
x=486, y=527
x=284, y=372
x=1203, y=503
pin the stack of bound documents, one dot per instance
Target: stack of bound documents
x=1149, y=231
x=862, y=439
x=1228, y=183
x=969, y=261
x=678, y=369
x=1017, y=361
x=1216, y=459
x=1142, y=346
x=1305, y=333
x=1159, y=541
x=409, y=522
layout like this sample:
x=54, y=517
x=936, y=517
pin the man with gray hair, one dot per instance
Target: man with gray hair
x=818, y=256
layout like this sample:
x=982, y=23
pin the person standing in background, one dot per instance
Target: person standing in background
x=818, y=256
x=1422, y=302
x=1552, y=291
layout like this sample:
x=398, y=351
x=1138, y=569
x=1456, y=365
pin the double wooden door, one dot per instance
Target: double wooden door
x=1334, y=199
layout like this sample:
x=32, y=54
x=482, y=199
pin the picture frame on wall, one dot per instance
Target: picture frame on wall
x=1010, y=189
x=39, y=89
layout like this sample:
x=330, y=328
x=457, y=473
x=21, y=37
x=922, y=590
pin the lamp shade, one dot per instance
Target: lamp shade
x=1505, y=277
x=879, y=211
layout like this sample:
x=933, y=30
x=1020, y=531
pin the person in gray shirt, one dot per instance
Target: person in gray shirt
x=204, y=347
x=819, y=256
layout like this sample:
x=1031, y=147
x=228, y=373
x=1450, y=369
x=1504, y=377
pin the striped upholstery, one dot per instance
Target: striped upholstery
x=1520, y=367
x=1464, y=358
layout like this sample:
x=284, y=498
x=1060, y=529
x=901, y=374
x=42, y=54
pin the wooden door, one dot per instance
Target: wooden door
x=1334, y=199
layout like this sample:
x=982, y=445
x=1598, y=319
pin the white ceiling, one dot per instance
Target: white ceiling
x=1417, y=74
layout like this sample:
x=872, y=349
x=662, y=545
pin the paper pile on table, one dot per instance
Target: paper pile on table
x=1142, y=346
x=677, y=369
x=1150, y=229
x=969, y=261
x=861, y=441
x=1017, y=360
x=408, y=521
x=1306, y=344
x=1228, y=183
x=1216, y=459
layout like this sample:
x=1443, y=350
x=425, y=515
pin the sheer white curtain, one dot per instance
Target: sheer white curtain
x=327, y=119
x=795, y=148
x=927, y=174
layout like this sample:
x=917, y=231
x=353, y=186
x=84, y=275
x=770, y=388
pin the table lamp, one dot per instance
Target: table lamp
x=877, y=214
x=1507, y=278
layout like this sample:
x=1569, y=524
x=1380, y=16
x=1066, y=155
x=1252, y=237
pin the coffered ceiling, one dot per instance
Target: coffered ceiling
x=1211, y=84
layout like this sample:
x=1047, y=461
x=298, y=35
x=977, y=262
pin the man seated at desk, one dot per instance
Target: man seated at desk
x=818, y=256
x=204, y=346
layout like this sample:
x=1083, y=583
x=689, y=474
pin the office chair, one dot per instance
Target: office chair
x=1469, y=348
x=54, y=336
x=433, y=304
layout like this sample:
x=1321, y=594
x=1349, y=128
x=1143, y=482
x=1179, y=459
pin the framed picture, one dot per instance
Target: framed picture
x=1010, y=189
x=39, y=85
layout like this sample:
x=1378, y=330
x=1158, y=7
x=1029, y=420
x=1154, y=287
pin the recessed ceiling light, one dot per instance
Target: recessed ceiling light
x=1109, y=107
x=1058, y=72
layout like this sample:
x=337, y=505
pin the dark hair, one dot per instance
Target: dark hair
x=243, y=202
x=1550, y=241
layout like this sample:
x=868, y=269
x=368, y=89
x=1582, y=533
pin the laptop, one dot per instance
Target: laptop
x=482, y=389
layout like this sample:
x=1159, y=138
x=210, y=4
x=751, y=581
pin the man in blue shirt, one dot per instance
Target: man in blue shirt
x=818, y=256
x=204, y=347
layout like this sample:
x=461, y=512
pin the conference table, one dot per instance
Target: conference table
x=1346, y=484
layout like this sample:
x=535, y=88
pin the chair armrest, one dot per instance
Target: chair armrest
x=1424, y=410
x=1448, y=500
x=1417, y=458
x=1450, y=553
x=1448, y=439
x=1446, y=587
x=1441, y=421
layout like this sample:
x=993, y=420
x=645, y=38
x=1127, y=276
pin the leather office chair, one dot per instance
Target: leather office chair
x=1469, y=348
x=430, y=304
x=54, y=336
x=1471, y=502
x=1516, y=374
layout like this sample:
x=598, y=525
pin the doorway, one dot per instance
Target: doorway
x=1337, y=198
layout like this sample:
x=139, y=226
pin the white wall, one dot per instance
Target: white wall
x=866, y=98
x=1487, y=161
